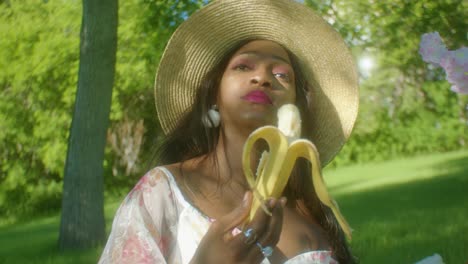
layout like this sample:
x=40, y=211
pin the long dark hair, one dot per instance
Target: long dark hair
x=192, y=139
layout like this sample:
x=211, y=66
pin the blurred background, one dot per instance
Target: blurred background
x=402, y=179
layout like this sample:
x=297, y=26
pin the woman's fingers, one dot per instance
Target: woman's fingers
x=273, y=231
x=257, y=226
x=263, y=231
x=227, y=223
x=215, y=245
x=267, y=241
x=266, y=225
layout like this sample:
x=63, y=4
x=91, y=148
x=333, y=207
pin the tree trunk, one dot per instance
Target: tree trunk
x=82, y=224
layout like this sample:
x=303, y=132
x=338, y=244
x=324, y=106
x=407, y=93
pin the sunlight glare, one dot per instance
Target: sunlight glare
x=366, y=64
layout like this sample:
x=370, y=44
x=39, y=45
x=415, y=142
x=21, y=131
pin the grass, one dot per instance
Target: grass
x=36, y=241
x=401, y=212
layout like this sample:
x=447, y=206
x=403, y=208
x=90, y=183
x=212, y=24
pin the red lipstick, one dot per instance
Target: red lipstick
x=257, y=97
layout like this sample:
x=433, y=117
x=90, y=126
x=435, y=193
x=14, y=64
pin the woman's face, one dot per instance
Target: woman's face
x=258, y=79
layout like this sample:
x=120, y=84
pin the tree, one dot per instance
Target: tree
x=82, y=223
x=406, y=106
x=39, y=58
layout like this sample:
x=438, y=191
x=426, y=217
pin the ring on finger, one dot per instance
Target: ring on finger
x=266, y=251
x=250, y=236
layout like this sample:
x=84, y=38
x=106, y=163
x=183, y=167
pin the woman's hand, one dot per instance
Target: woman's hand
x=219, y=245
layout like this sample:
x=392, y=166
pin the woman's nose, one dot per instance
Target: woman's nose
x=261, y=77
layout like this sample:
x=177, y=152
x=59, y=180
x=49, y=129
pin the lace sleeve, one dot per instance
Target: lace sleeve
x=138, y=234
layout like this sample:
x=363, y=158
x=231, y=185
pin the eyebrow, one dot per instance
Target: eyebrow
x=275, y=57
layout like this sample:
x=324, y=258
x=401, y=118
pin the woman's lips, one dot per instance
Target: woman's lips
x=257, y=97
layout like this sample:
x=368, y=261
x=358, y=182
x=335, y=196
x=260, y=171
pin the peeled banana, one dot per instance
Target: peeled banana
x=276, y=165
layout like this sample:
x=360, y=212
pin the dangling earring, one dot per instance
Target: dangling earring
x=212, y=117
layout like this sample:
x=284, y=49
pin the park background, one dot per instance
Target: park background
x=401, y=180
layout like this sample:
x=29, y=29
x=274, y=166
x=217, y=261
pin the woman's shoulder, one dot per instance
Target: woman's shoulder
x=166, y=180
x=157, y=186
x=155, y=177
x=155, y=192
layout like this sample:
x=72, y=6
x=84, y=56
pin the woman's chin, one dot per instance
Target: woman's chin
x=256, y=121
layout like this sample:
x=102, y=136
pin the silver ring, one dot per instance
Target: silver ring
x=250, y=236
x=266, y=251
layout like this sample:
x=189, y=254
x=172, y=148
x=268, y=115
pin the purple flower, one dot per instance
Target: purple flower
x=431, y=48
x=455, y=64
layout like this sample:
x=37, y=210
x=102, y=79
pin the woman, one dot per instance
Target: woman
x=225, y=72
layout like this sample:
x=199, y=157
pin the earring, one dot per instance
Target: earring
x=212, y=117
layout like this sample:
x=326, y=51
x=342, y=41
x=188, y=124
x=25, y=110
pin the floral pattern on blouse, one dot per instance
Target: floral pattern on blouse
x=155, y=224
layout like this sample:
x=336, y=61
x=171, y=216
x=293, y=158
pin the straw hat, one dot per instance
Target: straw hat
x=202, y=40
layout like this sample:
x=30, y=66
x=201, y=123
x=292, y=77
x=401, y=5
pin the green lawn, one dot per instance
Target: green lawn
x=405, y=210
x=401, y=211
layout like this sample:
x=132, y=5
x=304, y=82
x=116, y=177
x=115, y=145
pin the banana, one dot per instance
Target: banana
x=275, y=166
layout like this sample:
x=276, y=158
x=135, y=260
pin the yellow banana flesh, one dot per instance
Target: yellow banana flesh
x=276, y=166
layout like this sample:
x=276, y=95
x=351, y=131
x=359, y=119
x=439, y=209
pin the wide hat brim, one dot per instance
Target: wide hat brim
x=325, y=61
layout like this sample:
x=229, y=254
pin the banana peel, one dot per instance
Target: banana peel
x=276, y=165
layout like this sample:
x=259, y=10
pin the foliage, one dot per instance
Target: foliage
x=39, y=55
x=142, y=39
x=406, y=106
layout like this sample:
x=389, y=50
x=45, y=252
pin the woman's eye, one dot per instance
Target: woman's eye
x=282, y=75
x=241, y=67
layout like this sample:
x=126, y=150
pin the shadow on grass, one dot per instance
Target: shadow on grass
x=410, y=221
x=456, y=165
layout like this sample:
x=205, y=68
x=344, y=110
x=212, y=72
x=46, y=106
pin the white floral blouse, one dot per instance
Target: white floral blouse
x=155, y=224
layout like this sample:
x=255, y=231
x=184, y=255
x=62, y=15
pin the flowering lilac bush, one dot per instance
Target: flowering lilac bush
x=455, y=63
